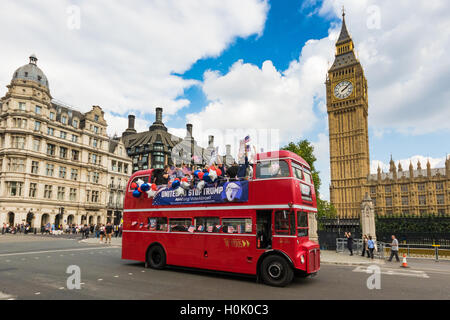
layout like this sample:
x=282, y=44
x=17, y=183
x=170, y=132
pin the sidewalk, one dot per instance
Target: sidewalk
x=114, y=241
x=332, y=257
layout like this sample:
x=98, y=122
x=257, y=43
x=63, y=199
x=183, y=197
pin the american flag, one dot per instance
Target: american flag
x=218, y=227
x=200, y=228
x=210, y=229
x=191, y=229
x=247, y=139
x=134, y=223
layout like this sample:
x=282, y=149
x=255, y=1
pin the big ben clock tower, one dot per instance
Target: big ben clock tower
x=347, y=106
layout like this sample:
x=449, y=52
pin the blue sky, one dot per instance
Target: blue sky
x=243, y=64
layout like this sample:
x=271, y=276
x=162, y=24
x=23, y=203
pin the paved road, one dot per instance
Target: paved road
x=35, y=268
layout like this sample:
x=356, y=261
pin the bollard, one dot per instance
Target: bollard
x=436, y=249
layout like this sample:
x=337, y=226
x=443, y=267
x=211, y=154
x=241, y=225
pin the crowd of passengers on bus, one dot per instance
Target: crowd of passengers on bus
x=235, y=172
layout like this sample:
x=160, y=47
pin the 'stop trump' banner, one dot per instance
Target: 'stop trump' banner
x=235, y=191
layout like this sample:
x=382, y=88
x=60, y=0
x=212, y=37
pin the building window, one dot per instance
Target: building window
x=388, y=189
x=96, y=118
x=95, y=195
x=16, y=165
x=404, y=188
x=95, y=177
x=62, y=172
x=439, y=186
x=48, y=190
x=422, y=200
x=95, y=143
x=75, y=155
x=113, y=165
x=405, y=212
x=405, y=201
x=51, y=148
x=125, y=168
x=73, y=194
x=35, y=167
x=18, y=142
x=37, y=126
x=389, y=212
x=63, y=152
x=74, y=138
x=50, y=169
x=63, y=135
x=20, y=123
x=440, y=199
x=88, y=196
x=96, y=129
x=75, y=123
x=421, y=186
x=61, y=193
x=389, y=202
x=51, y=131
x=64, y=120
x=15, y=188
x=36, y=145
x=74, y=175
x=373, y=190
x=38, y=110
x=22, y=106
x=33, y=188
x=52, y=116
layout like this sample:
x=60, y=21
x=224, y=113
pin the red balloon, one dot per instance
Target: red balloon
x=133, y=185
x=184, y=179
x=212, y=168
x=219, y=172
x=154, y=187
x=177, y=179
x=200, y=175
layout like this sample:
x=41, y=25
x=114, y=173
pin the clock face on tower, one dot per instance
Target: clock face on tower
x=343, y=90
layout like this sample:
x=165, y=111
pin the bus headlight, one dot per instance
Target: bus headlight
x=302, y=259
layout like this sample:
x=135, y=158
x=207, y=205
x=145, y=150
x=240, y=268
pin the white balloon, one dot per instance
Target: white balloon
x=151, y=193
x=140, y=182
x=185, y=185
x=213, y=175
x=201, y=185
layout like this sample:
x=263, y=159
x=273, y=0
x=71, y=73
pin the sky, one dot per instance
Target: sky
x=239, y=67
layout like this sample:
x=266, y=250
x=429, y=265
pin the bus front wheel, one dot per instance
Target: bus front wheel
x=276, y=271
x=156, y=257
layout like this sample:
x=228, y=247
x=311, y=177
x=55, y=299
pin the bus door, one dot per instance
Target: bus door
x=264, y=229
x=285, y=237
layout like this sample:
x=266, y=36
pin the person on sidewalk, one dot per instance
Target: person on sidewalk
x=370, y=247
x=394, y=249
x=349, y=242
x=365, y=248
x=108, y=232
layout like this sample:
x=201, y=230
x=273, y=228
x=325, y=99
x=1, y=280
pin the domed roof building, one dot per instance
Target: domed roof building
x=31, y=72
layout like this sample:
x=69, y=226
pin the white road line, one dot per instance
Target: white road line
x=394, y=272
x=4, y=296
x=116, y=276
x=100, y=280
x=37, y=293
x=48, y=251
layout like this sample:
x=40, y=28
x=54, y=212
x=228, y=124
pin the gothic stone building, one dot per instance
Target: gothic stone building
x=347, y=105
x=56, y=162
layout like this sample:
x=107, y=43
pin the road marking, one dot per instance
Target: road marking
x=130, y=274
x=100, y=280
x=37, y=293
x=394, y=272
x=4, y=296
x=48, y=251
x=62, y=288
x=116, y=276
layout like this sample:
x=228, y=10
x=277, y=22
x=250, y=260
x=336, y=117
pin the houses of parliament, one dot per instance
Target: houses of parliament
x=413, y=191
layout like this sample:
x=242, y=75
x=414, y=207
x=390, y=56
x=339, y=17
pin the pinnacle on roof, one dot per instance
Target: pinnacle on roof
x=344, y=36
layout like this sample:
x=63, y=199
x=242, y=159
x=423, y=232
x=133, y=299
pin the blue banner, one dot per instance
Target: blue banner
x=235, y=191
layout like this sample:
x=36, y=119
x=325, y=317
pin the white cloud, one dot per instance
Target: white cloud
x=118, y=124
x=125, y=54
x=322, y=153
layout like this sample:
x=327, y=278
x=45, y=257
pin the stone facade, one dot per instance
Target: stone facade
x=54, y=159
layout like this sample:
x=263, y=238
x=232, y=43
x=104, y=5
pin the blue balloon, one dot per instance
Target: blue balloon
x=176, y=184
x=206, y=177
x=196, y=172
x=145, y=187
x=136, y=194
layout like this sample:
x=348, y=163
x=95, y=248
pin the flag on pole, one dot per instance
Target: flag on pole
x=134, y=223
x=210, y=229
x=247, y=139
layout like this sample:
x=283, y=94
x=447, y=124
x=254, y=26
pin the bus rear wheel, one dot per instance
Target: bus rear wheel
x=156, y=257
x=276, y=271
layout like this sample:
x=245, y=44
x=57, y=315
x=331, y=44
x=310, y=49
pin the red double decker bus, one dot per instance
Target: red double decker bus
x=256, y=226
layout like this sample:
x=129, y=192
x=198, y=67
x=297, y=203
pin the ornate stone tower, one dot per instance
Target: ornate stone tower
x=347, y=105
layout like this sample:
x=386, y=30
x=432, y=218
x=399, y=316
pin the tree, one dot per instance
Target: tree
x=305, y=150
x=325, y=210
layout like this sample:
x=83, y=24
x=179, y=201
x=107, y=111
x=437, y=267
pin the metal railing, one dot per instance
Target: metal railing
x=358, y=246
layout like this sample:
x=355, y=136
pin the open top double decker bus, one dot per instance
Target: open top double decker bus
x=256, y=226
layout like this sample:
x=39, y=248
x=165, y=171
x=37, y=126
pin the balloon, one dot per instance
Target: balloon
x=154, y=187
x=185, y=185
x=139, y=189
x=145, y=187
x=151, y=193
x=136, y=194
x=185, y=179
x=176, y=184
x=134, y=185
x=140, y=182
x=212, y=175
x=206, y=177
x=219, y=172
x=200, y=175
x=200, y=185
x=196, y=172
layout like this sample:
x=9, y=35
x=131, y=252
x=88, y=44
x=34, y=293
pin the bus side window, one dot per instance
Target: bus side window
x=284, y=222
x=302, y=223
x=272, y=169
x=157, y=224
x=143, y=178
x=206, y=224
x=237, y=225
x=180, y=225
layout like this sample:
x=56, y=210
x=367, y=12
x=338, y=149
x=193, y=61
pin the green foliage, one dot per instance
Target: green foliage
x=413, y=224
x=325, y=210
x=305, y=150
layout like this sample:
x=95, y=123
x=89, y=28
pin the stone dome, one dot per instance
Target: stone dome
x=31, y=72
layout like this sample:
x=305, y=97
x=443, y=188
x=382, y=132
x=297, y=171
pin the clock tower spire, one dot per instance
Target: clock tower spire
x=347, y=106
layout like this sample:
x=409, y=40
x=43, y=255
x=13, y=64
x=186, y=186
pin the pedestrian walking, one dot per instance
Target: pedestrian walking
x=394, y=249
x=370, y=247
x=108, y=232
x=102, y=233
x=116, y=231
x=349, y=242
x=365, y=248
x=86, y=231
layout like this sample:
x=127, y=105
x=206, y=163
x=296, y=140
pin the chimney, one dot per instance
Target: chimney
x=228, y=146
x=131, y=120
x=130, y=130
x=211, y=141
x=189, y=130
x=159, y=112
